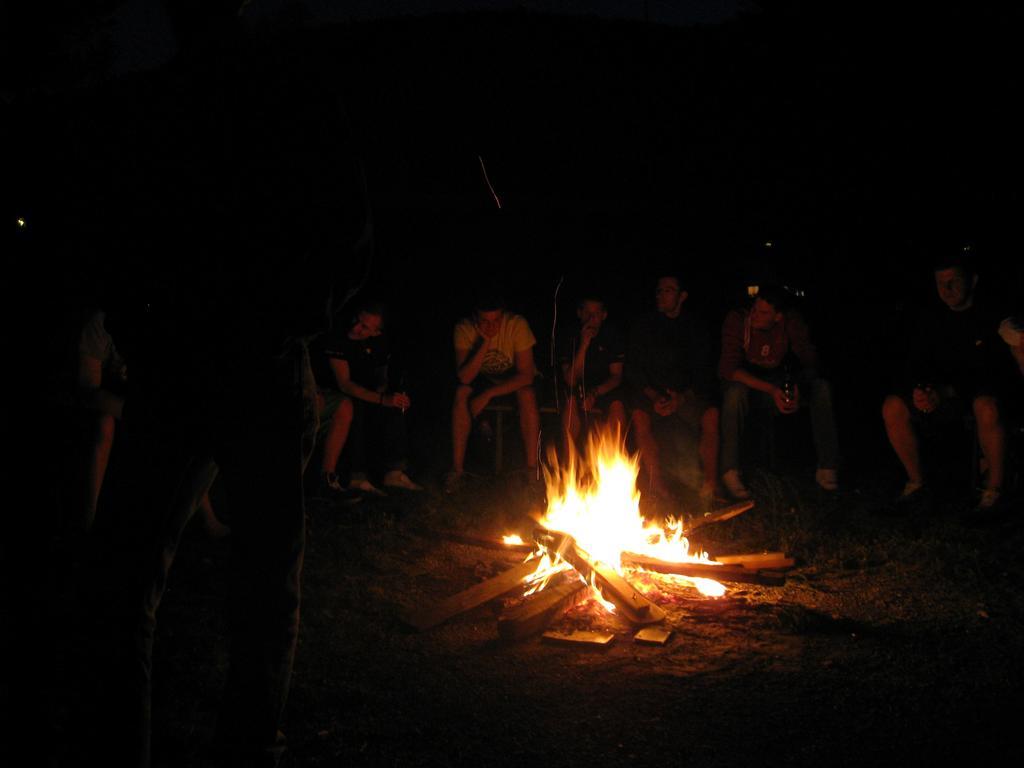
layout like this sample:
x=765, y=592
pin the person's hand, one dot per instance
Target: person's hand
x=588, y=333
x=486, y=336
x=478, y=403
x=668, y=403
x=786, y=405
x=397, y=400
x=589, y=402
x=926, y=399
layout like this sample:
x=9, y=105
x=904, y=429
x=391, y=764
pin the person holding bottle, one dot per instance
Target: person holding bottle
x=352, y=376
x=760, y=344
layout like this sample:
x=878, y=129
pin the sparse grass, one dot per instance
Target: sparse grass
x=909, y=630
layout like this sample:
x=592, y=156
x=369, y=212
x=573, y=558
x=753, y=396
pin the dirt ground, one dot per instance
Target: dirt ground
x=895, y=639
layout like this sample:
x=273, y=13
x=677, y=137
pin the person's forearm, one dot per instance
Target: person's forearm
x=513, y=384
x=470, y=369
x=578, y=362
x=102, y=401
x=607, y=385
x=752, y=381
x=652, y=394
x=360, y=392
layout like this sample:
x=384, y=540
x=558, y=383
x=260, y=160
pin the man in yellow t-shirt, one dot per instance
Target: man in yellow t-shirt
x=493, y=357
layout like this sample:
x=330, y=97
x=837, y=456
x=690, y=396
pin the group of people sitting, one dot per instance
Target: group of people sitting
x=657, y=380
x=656, y=383
x=660, y=381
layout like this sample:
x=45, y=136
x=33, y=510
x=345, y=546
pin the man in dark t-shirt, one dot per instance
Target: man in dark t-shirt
x=591, y=357
x=671, y=378
x=956, y=366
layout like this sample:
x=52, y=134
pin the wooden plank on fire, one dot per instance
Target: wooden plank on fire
x=636, y=608
x=468, y=599
x=540, y=609
x=775, y=561
x=736, y=573
x=718, y=515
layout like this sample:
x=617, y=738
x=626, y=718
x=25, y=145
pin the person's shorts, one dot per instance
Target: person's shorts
x=690, y=412
x=482, y=382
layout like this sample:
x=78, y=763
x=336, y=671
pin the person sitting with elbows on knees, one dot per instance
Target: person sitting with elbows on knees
x=493, y=357
x=756, y=343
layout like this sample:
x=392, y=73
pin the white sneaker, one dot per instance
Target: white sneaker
x=733, y=484
x=396, y=478
x=827, y=479
x=364, y=485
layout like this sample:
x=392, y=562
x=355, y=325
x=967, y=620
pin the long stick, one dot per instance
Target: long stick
x=468, y=599
x=725, y=513
x=735, y=573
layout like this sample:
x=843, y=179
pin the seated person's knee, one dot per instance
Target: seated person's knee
x=895, y=409
x=986, y=410
x=462, y=394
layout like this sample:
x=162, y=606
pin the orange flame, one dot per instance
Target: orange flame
x=598, y=504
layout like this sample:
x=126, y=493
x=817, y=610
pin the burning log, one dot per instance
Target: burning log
x=636, y=608
x=759, y=561
x=736, y=573
x=540, y=609
x=725, y=513
x=468, y=599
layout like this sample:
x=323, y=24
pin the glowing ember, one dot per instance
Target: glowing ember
x=597, y=503
x=512, y=540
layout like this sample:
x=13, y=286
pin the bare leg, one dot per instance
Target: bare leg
x=896, y=414
x=648, y=451
x=708, y=447
x=214, y=528
x=617, y=418
x=97, y=469
x=461, y=424
x=992, y=437
x=337, y=435
x=529, y=424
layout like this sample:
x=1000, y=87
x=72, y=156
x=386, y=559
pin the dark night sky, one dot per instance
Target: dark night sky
x=853, y=140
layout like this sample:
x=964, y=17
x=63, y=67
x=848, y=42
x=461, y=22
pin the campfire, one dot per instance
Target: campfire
x=592, y=541
x=593, y=520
